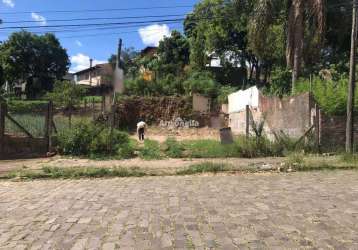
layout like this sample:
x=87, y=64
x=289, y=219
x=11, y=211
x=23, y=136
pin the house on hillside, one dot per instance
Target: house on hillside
x=96, y=76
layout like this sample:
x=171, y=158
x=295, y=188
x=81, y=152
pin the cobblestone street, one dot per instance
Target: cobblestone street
x=254, y=211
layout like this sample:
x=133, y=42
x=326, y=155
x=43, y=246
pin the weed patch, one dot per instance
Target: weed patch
x=206, y=167
x=150, y=151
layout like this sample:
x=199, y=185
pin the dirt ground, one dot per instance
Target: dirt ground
x=161, y=134
x=167, y=166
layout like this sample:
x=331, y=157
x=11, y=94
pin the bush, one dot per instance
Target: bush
x=224, y=93
x=78, y=139
x=331, y=95
x=201, y=83
x=87, y=138
x=108, y=142
x=18, y=106
x=173, y=148
x=150, y=150
x=280, y=84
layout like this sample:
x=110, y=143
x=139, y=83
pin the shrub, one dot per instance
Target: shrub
x=350, y=158
x=150, y=150
x=108, y=142
x=87, y=138
x=201, y=83
x=77, y=140
x=19, y=106
x=224, y=93
x=173, y=148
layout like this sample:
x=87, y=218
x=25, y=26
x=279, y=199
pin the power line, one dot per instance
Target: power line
x=92, y=18
x=90, y=24
x=97, y=10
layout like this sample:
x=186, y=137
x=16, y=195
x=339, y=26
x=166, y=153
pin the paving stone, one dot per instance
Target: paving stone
x=271, y=211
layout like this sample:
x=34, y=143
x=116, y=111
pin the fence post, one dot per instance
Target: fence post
x=318, y=126
x=49, y=121
x=3, y=110
x=247, y=121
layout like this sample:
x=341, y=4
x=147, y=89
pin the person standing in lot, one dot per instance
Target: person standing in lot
x=141, y=127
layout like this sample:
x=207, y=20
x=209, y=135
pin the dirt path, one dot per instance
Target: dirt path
x=157, y=166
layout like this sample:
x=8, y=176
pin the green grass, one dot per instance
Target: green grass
x=74, y=173
x=150, y=150
x=209, y=149
x=206, y=167
x=350, y=158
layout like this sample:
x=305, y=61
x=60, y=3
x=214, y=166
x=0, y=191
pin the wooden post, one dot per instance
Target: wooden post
x=103, y=103
x=49, y=121
x=247, y=121
x=351, y=84
x=93, y=110
x=318, y=127
x=3, y=110
x=85, y=104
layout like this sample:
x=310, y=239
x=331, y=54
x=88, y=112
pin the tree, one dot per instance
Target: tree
x=36, y=60
x=67, y=95
x=128, y=62
x=306, y=24
x=173, y=53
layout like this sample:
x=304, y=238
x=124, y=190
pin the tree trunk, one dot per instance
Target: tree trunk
x=294, y=51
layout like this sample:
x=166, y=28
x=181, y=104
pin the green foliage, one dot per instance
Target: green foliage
x=109, y=142
x=224, y=92
x=331, y=95
x=67, y=94
x=77, y=140
x=150, y=150
x=350, y=158
x=36, y=60
x=28, y=106
x=201, y=83
x=210, y=149
x=280, y=84
x=173, y=53
x=173, y=148
x=84, y=172
x=86, y=138
x=206, y=167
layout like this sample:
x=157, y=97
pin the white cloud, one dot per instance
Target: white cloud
x=81, y=61
x=152, y=34
x=38, y=18
x=78, y=43
x=9, y=3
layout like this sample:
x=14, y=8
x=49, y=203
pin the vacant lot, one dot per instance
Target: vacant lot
x=291, y=211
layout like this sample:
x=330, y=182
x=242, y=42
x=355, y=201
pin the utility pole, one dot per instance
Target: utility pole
x=351, y=84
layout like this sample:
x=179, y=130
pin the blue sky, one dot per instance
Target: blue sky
x=97, y=43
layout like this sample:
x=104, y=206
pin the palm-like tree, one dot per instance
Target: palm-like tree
x=305, y=27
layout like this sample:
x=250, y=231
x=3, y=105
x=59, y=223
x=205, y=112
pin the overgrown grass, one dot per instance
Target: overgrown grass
x=150, y=150
x=206, y=167
x=210, y=149
x=350, y=158
x=75, y=173
x=173, y=148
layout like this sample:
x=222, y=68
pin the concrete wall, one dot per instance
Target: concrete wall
x=201, y=104
x=290, y=115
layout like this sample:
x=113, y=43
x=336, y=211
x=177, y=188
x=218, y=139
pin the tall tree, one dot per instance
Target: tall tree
x=36, y=60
